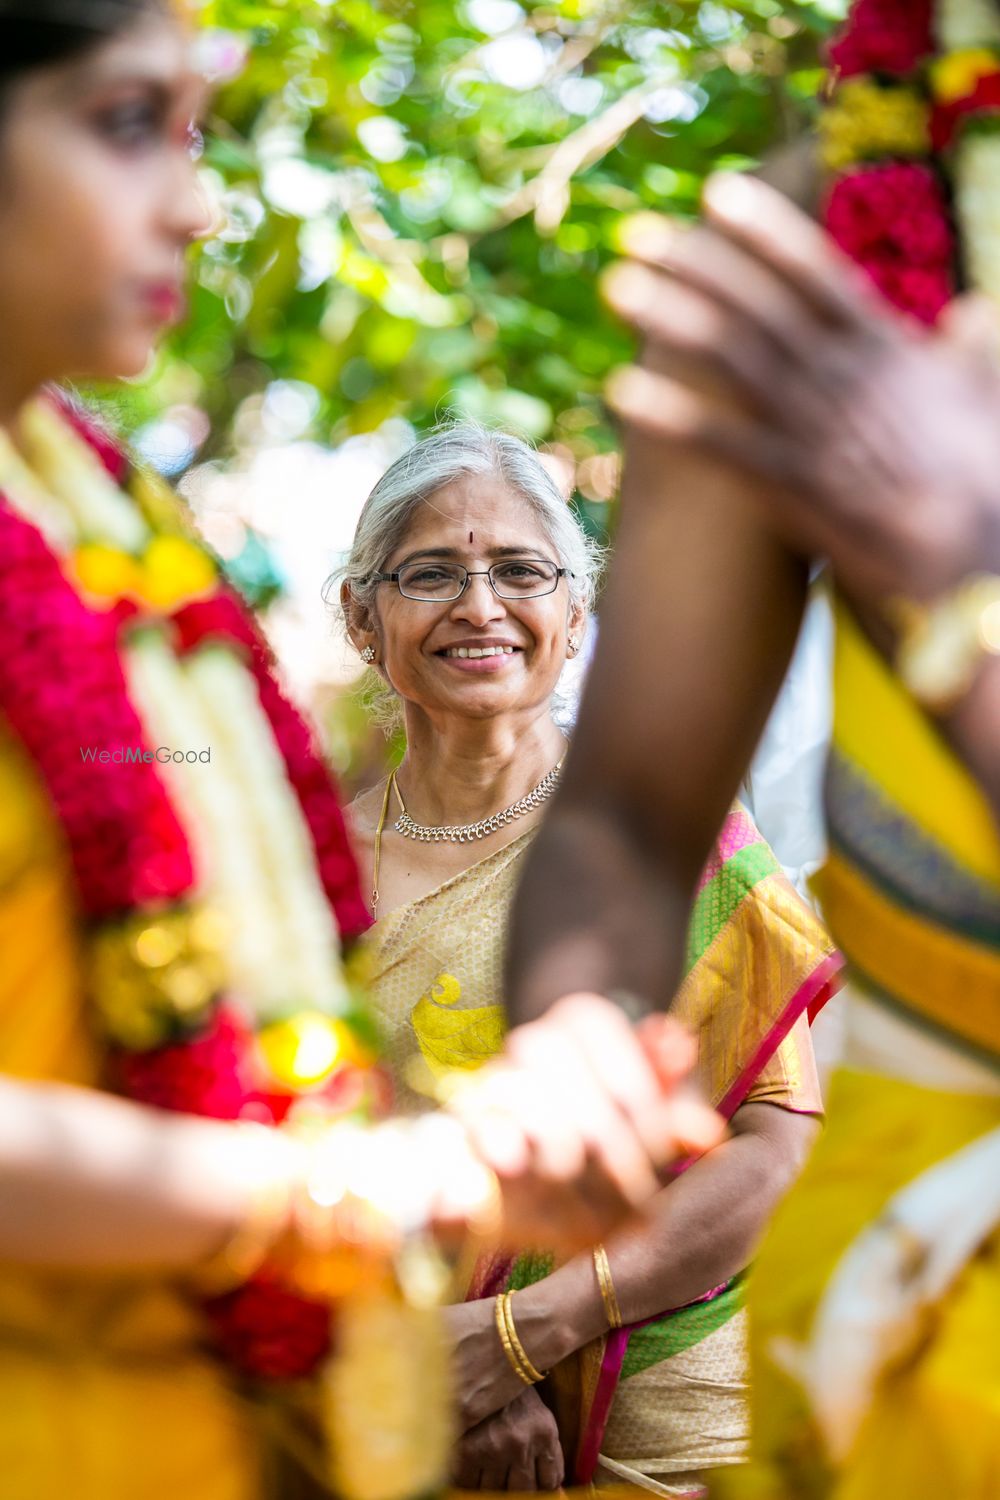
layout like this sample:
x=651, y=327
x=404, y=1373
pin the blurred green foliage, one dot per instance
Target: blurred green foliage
x=418, y=196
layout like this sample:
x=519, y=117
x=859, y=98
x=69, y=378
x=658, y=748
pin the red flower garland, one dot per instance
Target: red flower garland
x=893, y=220
x=209, y=1075
x=884, y=36
x=226, y=618
x=269, y=1332
x=97, y=437
x=63, y=690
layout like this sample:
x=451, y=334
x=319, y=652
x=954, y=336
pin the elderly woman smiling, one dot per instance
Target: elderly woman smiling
x=467, y=590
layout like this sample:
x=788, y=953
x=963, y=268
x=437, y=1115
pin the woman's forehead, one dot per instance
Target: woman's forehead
x=155, y=51
x=480, y=506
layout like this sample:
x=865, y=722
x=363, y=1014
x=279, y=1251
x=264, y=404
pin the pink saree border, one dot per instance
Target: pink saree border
x=821, y=985
x=739, y=831
x=810, y=997
x=490, y=1277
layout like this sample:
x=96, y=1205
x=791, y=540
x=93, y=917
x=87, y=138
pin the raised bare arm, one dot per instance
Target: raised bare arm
x=788, y=402
x=697, y=627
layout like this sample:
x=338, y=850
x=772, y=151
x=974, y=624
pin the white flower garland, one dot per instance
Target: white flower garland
x=256, y=863
x=963, y=25
x=253, y=851
x=309, y=940
x=977, y=208
x=32, y=500
x=966, y=23
x=214, y=818
x=74, y=474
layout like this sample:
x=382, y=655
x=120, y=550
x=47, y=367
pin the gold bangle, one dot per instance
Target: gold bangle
x=512, y=1346
x=499, y=1313
x=607, y=1285
x=533, y=1375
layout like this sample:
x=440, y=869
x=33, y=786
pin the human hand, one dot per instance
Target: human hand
x=554, y=1144
x=484, y=1379
x=870, y=440
x=578, y=1117
x=515, y=1449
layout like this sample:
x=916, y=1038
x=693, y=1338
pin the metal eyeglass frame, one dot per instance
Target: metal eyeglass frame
x=477, y=573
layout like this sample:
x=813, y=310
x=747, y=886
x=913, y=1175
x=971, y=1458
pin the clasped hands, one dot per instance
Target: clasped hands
x=508, y=1438
x=557, y=1142
x=578, y=1118
x=864, y=437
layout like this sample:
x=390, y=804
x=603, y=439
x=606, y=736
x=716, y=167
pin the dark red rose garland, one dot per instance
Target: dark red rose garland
x=158, y=971
x=911, y=136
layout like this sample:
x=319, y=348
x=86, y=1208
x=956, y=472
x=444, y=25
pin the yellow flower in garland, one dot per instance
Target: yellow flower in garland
x=957, y=75
x=866, y=120
x=306, y=1049
x=105, y=573
x=147, y=974
x=171, y=571
x=175, y=570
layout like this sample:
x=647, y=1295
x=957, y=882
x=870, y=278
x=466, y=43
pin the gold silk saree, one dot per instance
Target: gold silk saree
x=651, y=1405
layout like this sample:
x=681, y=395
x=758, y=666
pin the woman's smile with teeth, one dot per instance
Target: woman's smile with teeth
x=476, y=651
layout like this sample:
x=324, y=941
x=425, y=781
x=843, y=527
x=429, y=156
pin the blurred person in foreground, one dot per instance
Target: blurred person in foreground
x=177, y=902
x=797, y=417
x=467, y=589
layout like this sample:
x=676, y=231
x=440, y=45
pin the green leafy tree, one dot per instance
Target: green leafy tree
x=417, y=198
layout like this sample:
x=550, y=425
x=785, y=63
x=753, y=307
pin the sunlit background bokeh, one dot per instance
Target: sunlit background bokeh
x=415, y=198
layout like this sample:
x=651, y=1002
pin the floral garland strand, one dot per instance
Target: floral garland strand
x=158, y=968
x=912, y=135
x=280, y=748
x=884, y=36
x=60, y=666
x=222, y=615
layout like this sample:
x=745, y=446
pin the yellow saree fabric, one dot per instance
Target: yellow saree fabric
x=436, y=986
x=912, y=893
x=912, y=885
x=112, y=1368
x=934, y=1427
x=437, y=976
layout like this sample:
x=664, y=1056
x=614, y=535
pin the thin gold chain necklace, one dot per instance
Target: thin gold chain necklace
x=464, y=833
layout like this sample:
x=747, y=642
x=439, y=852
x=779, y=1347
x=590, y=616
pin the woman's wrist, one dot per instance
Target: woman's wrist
x=958, y=541
x=561, y=1314
x=266, y=1169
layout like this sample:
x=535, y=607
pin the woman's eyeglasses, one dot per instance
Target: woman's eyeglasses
x=444, y=582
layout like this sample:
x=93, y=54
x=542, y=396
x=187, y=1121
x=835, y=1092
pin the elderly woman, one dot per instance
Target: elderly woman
x=467, y=590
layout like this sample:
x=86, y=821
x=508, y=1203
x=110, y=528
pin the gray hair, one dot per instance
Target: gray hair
x=447, y=453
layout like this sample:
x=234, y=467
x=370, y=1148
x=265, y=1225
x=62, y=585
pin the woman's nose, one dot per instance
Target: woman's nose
x=191, y=212
x=479, y=604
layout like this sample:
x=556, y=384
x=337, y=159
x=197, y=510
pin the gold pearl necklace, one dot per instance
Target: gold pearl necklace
x=464, y=833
